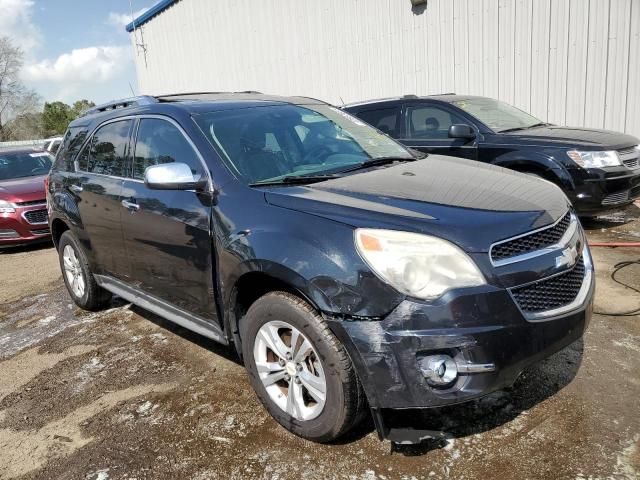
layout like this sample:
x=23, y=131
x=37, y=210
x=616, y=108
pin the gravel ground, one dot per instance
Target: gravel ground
x=122, y=394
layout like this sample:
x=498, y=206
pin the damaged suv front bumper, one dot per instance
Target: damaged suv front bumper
x=481, y=330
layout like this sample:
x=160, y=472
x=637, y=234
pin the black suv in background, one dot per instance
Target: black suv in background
x=347, y=273
x=599, y=170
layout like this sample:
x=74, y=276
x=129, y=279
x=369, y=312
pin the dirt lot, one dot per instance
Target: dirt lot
x=122, y=394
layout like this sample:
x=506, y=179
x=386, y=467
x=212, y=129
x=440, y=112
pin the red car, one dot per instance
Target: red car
x=23, y=208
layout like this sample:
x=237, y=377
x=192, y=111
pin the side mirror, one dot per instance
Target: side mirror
x=172, y=176
x=462, y=131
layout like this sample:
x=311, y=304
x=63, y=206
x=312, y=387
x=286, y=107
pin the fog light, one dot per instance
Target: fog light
x=439, y=369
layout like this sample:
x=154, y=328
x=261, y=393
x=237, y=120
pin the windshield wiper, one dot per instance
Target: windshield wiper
x=541, y=124
x=374, y=162
x=293, y=180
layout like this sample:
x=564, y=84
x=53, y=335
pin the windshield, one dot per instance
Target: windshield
x=24, y=164
x=498, y=116
x=276, y=141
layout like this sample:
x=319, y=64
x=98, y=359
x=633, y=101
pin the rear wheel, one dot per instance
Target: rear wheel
x=77, y=275
x=299, y=370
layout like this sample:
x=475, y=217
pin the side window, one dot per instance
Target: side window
x=71, y=143
x=385, y=119
x=159, y=142
x=429, y=122
x=107, y=152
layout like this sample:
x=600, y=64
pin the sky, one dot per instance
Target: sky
x=74, y=49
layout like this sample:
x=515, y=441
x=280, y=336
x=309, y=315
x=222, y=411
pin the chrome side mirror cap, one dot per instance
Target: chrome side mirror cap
x=172, y=176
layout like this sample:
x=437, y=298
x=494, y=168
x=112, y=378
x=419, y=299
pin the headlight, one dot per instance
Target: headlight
x=607, y=158
x=421, y=266
x=7, y=207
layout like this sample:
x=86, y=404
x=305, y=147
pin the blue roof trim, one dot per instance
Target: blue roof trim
x=149, y=14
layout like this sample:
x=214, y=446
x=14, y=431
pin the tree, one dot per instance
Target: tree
x=15, y=98
x=56, y=117
x=81, y=106
x=27, y=126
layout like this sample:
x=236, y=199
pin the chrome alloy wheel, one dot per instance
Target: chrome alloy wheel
x=290, y=370
x=73, y=272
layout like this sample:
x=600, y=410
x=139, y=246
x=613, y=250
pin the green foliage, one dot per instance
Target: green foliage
x=56, y=116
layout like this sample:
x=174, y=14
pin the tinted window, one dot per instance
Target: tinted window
x=385, y=119
x=161, y=142
x=71, y=143
x=107, y=154
x=428, y=122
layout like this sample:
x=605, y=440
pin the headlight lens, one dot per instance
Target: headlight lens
x=7, y=207
x=418, y=265
x=607, y=158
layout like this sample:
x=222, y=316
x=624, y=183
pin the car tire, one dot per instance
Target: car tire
x=344, y=401
x=77, y=275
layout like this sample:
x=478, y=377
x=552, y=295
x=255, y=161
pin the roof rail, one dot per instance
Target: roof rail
x=411, y=95
x=123, y=103
x=186, y=94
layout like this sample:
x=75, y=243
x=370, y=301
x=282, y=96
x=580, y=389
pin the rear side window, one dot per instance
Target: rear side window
x=107, y=152
x=429, y=122
x=158, y=142
x=71, y=143
x=385, y=119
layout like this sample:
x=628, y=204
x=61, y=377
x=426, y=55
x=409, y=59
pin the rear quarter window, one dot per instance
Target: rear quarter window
x=71, y=143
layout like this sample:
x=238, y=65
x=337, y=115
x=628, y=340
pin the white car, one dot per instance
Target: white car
x=52, y=144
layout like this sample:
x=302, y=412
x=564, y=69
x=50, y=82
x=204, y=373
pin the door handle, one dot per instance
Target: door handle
x=75, y=188
x=134, y=207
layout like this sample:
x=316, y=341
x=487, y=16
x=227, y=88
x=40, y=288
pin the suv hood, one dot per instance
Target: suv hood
x=25, y=189
x=576, y=137
x=469, y=203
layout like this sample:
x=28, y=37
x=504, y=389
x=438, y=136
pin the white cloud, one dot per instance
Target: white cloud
x=95, y=64
x=81, y=70
x=15, y=22
x=123, y=19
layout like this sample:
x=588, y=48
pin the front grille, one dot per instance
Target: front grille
x=630, y=157
x=550, y=293
x=635, y=192
x=36, y=216
x=32, y=202
x=530, y=243
x=40, y=231
x=618, y=197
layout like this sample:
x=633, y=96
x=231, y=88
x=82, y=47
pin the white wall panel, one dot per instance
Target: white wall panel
x=565, y=61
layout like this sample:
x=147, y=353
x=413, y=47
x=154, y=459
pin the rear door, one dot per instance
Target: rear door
x=167, y=232
x=386, y=119
x=427, y=129
x=96, y=185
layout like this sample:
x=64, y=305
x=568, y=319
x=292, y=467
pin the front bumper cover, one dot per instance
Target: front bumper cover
x=481, y=325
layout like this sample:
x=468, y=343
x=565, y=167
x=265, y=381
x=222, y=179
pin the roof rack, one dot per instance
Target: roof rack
x=123, y=103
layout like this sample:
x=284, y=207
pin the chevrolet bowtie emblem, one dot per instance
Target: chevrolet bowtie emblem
x=568, y=257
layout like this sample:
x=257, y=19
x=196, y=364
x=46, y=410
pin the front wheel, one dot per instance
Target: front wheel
x=299, y=370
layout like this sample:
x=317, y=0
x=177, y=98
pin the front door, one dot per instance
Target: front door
x=427, y=129
x=167, y=232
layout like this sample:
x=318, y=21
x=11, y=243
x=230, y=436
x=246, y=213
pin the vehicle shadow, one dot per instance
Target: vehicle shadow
x=227, y=352
x=534, y=385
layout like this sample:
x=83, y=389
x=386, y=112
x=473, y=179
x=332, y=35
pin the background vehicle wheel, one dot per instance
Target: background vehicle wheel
x=299, y=370
x=78, y=278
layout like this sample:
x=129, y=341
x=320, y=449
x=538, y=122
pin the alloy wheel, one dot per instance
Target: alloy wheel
x=290, y=370
x=73, y=271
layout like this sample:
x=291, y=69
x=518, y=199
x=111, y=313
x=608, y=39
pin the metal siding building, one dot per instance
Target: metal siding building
x=573, y=62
